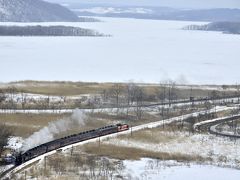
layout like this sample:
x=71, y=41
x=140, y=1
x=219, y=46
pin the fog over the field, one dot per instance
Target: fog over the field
x=170, y=3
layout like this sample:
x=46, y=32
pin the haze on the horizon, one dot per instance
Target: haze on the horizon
x=195, y=4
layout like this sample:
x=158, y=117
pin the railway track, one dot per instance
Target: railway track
x=213, y=130
x=198, y=126
x=7, y=174
x=211, y=126
x=232, y=99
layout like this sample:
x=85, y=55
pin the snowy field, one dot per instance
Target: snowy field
x=171, y=170
x=140, y=50
x=222, y=152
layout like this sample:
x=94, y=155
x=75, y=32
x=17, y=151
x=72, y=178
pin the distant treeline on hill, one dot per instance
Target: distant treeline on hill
x=46, y=31
x=225, y=27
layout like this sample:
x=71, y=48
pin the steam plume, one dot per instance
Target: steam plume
x=47, y=133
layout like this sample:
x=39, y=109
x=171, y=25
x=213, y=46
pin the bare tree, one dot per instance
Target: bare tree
x=47, y=101
x=172, y=92
x=130, y=95
x=12, y=91
x=214, y=95
x=115, y=92
x=23, y=100
x=104, y=95
x=58, y=164
x=2, y=98
x=92, y=166
x=161, y=95
x=237, y=93
x=5, y=133
x=139, y=97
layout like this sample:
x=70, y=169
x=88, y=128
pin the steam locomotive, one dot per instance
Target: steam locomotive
x=75, y=138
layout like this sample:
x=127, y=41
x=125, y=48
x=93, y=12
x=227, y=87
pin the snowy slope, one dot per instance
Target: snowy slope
x=34, y=11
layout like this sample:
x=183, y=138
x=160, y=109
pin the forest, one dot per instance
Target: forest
x=46, y=31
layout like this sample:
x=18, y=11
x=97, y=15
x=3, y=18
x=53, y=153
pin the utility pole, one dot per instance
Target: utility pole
x=99, y=141
x=169, y=95
x=25, y=174
x=238, y=93
x=72, y=151
x=45, y=164
x=131, y=130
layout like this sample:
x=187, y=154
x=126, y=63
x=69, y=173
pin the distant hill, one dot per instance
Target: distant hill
x=35, y=11
x=46, y=31
x=211, y=15
x=225, y=27
x=161, y=13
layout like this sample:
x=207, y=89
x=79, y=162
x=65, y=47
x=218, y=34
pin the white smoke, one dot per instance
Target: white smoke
x=47, y=133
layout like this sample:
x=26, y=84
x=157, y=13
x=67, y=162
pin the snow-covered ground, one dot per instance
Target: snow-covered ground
x=171, y=170
x=207, y=87
x=140, y=50
x=20, y=97
x=114, y=10
x=29, y=97
x=222, y=151
x=15, y=143
x=5, y=168
x=232, y=150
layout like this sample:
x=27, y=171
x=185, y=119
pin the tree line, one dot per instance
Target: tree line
x=5, y=133
x=46, y=31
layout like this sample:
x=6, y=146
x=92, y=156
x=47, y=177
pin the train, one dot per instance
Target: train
x=75, y=138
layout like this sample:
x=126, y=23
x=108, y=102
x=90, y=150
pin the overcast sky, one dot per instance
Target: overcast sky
x=169, y=3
